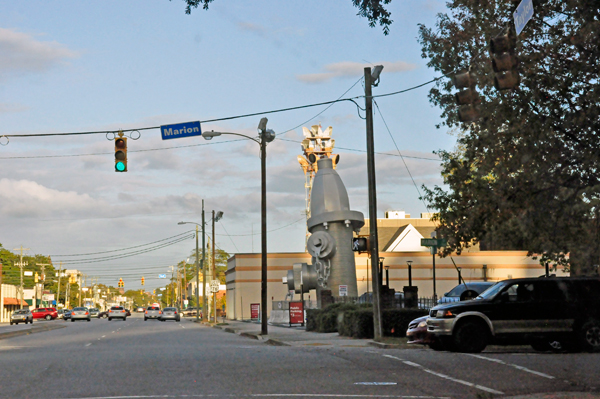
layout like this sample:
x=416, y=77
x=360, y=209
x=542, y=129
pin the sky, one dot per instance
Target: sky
x=73, y=66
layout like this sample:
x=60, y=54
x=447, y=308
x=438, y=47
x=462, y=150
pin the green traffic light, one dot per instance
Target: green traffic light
x=120, y=166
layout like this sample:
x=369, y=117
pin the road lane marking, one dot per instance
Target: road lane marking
x=511, y=365
x=391, y=357
x=88, y=344
x=273, y=395
x=103, y=336
x=447, y=377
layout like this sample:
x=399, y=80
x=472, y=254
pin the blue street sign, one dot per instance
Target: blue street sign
x=179, y=130
x=523, y=14
x=162, y=276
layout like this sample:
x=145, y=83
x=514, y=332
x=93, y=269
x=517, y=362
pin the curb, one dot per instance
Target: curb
x=31, y=330
x=275, y=342
x=250, y=335
x=382, y=345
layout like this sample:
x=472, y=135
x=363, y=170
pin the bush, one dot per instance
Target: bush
x=357, y=323
x=395, y=321
x=311, y=319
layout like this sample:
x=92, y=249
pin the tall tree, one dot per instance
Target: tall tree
x=373, y=10
x=525, y=174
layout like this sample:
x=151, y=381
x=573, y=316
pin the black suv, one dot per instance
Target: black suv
x=533, y=311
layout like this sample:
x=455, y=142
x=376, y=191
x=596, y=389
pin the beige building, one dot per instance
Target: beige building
x=399, y=242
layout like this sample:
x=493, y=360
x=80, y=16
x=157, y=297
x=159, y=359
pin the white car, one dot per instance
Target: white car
x=117, y=312
x=81, y=313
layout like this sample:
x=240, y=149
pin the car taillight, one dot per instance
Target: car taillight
x=146, y=312
x=159, y=312
x=87, y=313
x=175, y=312
x=110, y=311
x=122, y=311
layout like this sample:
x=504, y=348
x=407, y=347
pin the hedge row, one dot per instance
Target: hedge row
x=357, y=320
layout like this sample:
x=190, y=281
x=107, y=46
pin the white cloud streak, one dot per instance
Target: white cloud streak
x=22, y=53
x=350, y=69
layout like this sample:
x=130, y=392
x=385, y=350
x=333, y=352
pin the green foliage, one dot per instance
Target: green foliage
x=373, y=10
x=524, y=176
x=357, y=323
x=11, y=273
x=395, y=321
x=311, y=319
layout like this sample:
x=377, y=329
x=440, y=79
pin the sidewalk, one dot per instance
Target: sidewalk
x=282, y=335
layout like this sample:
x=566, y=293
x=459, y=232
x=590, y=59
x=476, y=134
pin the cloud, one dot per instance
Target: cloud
x=351, y=69
x=7, y=108
x=22, y=53
x=25, y=198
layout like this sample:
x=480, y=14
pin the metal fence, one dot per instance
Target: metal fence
x=397, y=303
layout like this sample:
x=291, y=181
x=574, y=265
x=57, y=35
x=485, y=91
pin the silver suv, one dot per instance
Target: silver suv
x=153, y=312
x=117, y=312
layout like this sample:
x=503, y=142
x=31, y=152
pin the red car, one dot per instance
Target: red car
x=45, y=313
x=417, y=334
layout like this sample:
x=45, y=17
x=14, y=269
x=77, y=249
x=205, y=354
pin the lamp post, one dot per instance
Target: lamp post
x=265, y=136
x=459, y=276
x=387, y=276
x=409, y=263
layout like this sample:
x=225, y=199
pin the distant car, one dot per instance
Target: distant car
x=103, y=315
x=45, y=313
x=140, y=310
x=21, y=316
x=153, y=312
x=128, y=312
x=117, y=312
x=66, y=314
x=94, y=312
x=170, y=314
x=80, y=313
x=61, y=313
x=189, y=312
x=465, y=291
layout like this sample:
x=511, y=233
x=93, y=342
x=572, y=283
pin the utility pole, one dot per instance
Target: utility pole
x=58, y=291
x=204, y=307
x=198, y=276
x=214, y=267
x=43, y=276
x=79, y=275
x=172, y=286
x=373, y=239
x=21, y=267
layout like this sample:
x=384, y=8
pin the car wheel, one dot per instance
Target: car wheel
x=589, y=336
x=470, y=337
x=48, y=317
x=110, y=319
x=145, y=318
x=72, y=320
x=89, y=319
x=11, y=323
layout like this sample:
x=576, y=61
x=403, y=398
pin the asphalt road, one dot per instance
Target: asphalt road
x=151, y=359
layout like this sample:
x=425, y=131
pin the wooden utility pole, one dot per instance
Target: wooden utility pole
x=373, y=239
x=43, y=276
x=21, y=268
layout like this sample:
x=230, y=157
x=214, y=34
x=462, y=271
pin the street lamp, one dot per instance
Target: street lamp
x=215, y=218
x=409, y=263
x=387, y=275
x=264, y=136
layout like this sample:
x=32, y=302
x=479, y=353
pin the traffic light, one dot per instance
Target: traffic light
x=121, y=283
x=467, y=99
x=121, y=154
x=143, y=281
x=360, y=244
x=505, y=61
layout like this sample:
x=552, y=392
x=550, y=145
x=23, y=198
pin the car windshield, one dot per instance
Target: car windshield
x=170, y=309
x=492, y=291
x=21, y=311
x=78, y=309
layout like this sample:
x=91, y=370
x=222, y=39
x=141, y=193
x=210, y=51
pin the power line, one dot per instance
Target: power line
x=351, y=99
x=124, y=249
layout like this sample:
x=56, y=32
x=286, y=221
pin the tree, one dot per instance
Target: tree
x=373, y=10
x=526, y=173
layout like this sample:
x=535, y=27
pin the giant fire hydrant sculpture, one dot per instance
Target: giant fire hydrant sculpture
x=330, y=244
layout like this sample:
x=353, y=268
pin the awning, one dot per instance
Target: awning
x=13, y=301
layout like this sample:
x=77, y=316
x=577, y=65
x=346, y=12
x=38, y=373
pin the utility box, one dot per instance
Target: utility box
x=411, y=296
